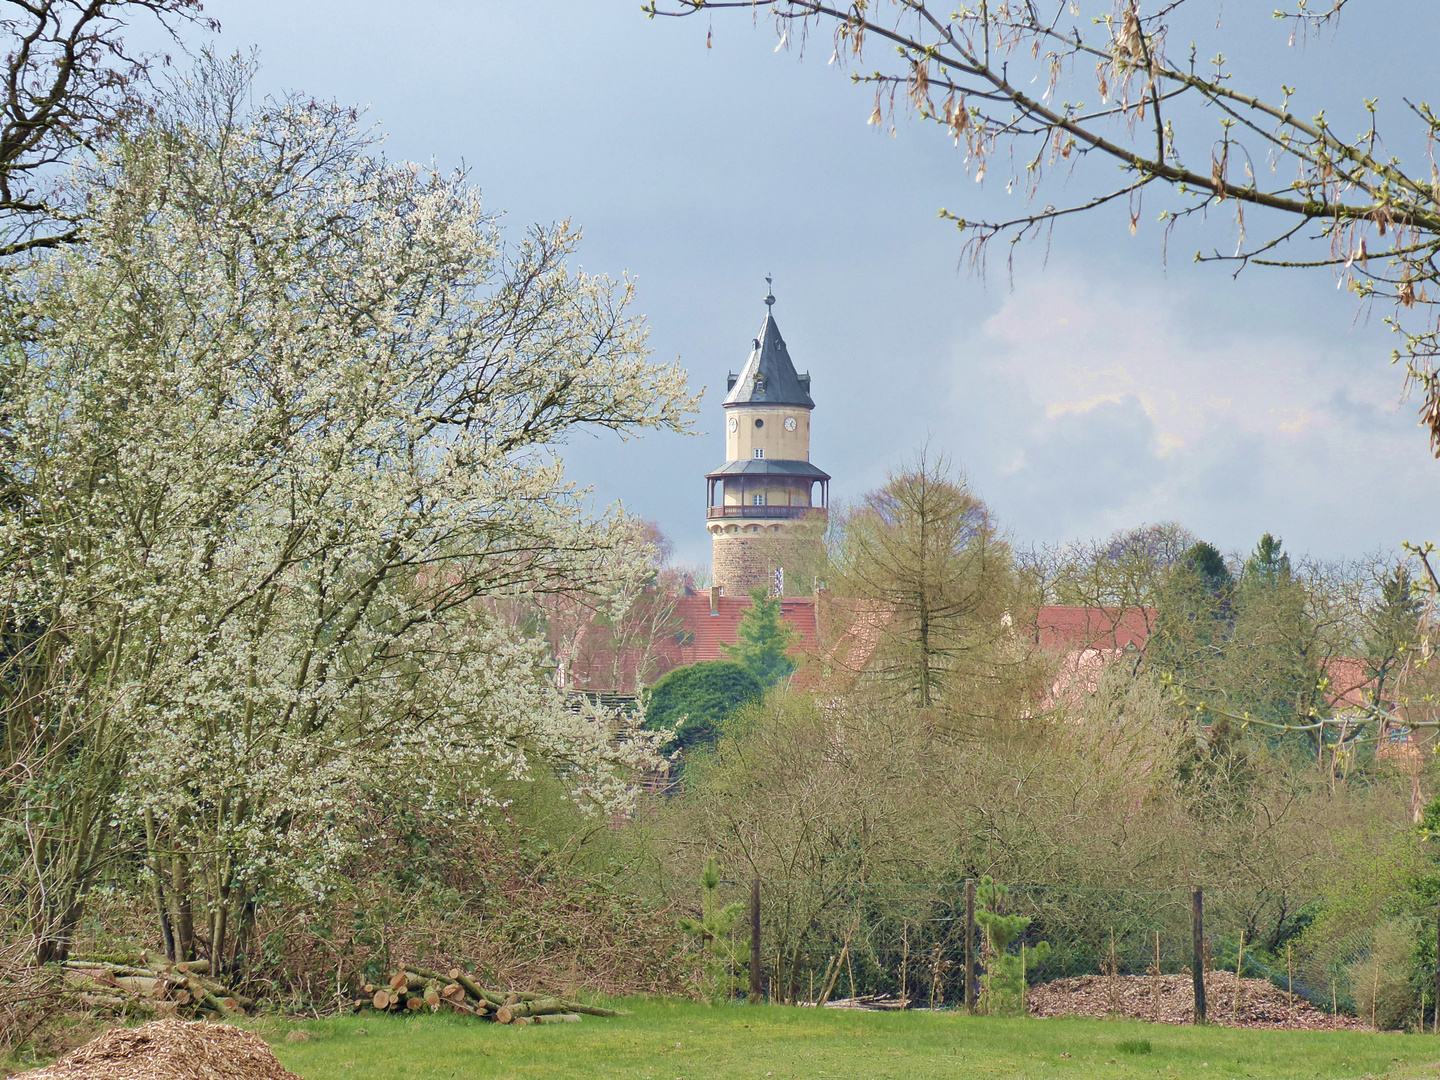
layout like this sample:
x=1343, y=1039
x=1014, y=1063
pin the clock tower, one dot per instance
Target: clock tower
x=767, y=505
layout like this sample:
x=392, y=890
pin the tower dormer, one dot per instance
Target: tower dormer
x=767, y=486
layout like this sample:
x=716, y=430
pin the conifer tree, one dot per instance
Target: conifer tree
x=1272, y=671
x=694, y=701
x=1192, y=620
x=765, y=641
x=926, y=551
x=1392, y=626
x=724, y=971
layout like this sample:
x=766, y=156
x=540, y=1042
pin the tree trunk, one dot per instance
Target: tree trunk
x=162, y=908
x=184, y=919
x=243, y=932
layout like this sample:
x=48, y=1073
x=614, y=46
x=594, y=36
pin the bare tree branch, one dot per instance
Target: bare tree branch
x=1376, y=219
x=67, y=80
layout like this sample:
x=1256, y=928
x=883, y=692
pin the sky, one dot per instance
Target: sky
x=1102, y=382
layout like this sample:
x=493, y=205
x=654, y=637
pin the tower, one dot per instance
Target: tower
x=762, y=512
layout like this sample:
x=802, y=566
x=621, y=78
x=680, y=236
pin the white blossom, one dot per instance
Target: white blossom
x=273, y=436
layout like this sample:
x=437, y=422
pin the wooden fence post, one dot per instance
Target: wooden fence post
x=1197, y=927
x=969, y=945
x=1437, y=974
x=756, y=966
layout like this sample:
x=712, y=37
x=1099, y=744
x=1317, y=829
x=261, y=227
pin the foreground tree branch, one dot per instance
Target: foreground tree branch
x=973, y=68
x=68, y=81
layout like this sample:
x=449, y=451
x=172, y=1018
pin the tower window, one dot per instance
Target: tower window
x=759, y=422
x=759, y=451
x=760, y=384
x=757, y=500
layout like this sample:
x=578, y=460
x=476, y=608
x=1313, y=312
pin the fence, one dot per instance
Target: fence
x=908, y=940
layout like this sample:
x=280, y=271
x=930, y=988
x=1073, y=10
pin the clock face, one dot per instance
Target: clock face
x=789, y=423
x=734, y=424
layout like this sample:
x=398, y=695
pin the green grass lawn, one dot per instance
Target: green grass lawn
x=672, y=1040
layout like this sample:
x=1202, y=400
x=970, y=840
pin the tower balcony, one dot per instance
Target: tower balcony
x=773, y=512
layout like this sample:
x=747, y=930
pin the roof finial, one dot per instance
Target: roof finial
x=769, y=296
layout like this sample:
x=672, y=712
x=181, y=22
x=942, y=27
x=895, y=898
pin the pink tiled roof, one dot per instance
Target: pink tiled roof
x=1062, y=627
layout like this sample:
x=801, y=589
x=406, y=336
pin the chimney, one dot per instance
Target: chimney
x=715, y=599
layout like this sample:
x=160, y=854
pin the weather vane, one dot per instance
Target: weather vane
x=769, y=293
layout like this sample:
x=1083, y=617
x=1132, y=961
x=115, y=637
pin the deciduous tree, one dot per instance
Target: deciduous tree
x=274, y=435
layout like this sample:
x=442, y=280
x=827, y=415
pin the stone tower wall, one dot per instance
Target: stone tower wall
x=742, y=561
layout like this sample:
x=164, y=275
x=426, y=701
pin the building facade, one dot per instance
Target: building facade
x=767, y=504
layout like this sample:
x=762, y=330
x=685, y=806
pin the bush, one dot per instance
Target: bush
x=1385, y=981
x=699, y=698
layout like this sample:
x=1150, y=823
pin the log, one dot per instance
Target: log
x=137, y=984
x=381, y=999
x=415, y=1003
x=398, y=981
x=210, y=1001
x=432, y=998
x=500, y=998
x=98, y=977
x=104, y=1001
x=593, y=1010
x=558, y=1018
x=113, y=969
x=194, y=967
x=458, y=976
x=540, y=1007
x=368, y=989
x=522, y=1021
x=503, y=1015
x=221, y=990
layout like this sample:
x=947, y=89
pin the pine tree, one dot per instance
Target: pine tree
x=1192, y=620
x=1273, y=671
x=724, y=971
x=1391, y=628
x=765, y=641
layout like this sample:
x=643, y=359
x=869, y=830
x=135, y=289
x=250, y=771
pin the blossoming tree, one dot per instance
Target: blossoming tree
x=270, y=440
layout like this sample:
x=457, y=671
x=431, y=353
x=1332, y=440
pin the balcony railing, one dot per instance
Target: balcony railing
x=760, y=511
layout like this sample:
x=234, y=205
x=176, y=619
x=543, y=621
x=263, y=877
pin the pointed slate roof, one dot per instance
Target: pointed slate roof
x=779, y=384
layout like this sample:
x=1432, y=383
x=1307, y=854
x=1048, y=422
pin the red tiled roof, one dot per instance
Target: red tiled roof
x=1352, y=681
x=704, y=633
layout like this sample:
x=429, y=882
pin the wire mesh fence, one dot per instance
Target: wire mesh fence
x=908, y=940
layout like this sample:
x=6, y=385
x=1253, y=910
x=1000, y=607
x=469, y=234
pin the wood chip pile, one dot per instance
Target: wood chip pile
x=418, y=989
x=168, y=1050
x=1170, y=999
x=156, y=990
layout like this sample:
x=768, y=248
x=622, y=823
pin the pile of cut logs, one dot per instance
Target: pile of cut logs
x=154, y=990
x=414, y=989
